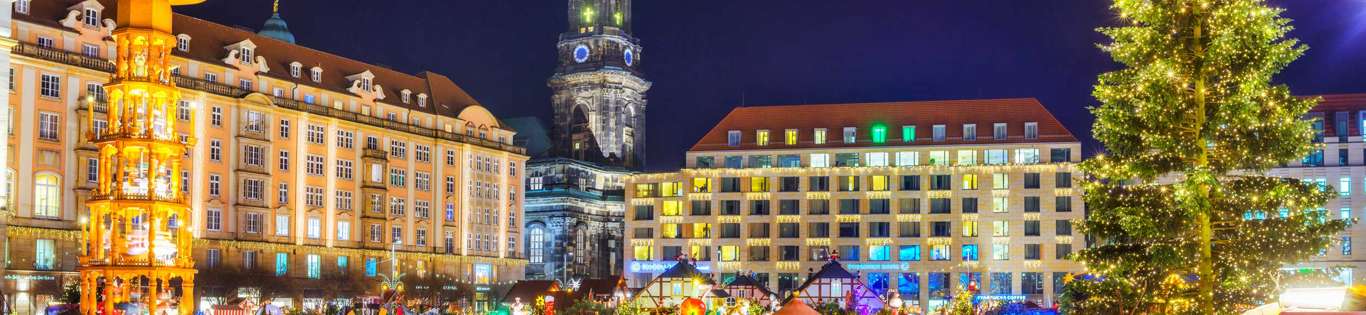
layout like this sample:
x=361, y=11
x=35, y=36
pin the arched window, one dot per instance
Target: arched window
x=47, y=195
x=536, y=245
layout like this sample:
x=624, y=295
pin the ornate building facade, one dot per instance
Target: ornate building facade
x=599, y=95
x=574, y=197
x=304, y=165
x=573, y=219
x=921, y=198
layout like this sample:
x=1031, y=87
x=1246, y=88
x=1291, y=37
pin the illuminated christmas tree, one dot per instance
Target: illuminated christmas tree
x=1185, y=221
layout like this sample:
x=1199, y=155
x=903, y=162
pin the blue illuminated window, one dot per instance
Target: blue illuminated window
x=909, y=286
x=281, y=264
x=315, y=266
x=908, y=253
x=970, y=252
x=880, y=252
x=342, y=263
x=371, y=264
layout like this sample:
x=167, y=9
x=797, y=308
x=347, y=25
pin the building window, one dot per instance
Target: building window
x=245, y=84
x=90, y=50
x=253, y=189
x=51, y=86
x=284, y=160
x=316, y=75
x=295, y=69
x=21, y=6
x=284, y=193
x=761, y=137
x=213, y=220
x=182, y=42
x=44, y=254
x=215, y=150
x=396, y=235
x=48, y=126
x=281, y=264
x=315, y=134
x=345, y=139
x=422, y=153
x=314, y=165
x=284, y=129
x=343, y=200
x=47, y=196
x=253, y=223
x=1031, y=130
x=733, y=138
x=216, y=116
x=343, y=230
x=344, y=168
x=254, y=155
x=398, y=149
x=313, y=196
x=850, y=134
x=315, y=228
x=969, y=132
x=213, y=185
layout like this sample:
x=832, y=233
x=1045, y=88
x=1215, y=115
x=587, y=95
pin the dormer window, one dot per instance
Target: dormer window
x=365, y=83
x=91, y=17
x=296, y=69
x=245, y=54
x=422, y=100
x=21, y=6
x=405, y=95
x=182, y=42
x=316, y=74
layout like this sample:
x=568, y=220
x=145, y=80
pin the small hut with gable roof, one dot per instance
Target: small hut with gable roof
x=677, y=283
x=834, y=284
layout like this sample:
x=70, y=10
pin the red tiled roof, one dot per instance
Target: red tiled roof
x=923, y=114
x=1333, y=103
x=208, y=40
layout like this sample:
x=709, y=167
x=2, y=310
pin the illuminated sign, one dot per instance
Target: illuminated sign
x=30, y=277
x=1000, y=297
x=879, y=266
x=661, y=266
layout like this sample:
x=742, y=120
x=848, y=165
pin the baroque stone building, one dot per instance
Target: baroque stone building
x=599, y=95
x=305, y=165
x=574, y=201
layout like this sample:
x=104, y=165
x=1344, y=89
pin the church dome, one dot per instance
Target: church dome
x=277, y=28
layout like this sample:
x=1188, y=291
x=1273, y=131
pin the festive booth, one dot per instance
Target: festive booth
x=834, y=284
x=744, y=286
x=677, y=283
x=796, y=307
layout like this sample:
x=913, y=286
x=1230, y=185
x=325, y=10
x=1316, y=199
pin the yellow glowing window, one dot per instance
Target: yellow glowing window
x=670, y=189
x=1000, y=228
x=758, y=184
x=1000, y=181
x=698, y=251
x=969, y=181
x=879, y=183
x=818, y=136
x=850, y=183
x=671, y=208
x=790, y=137
x=645, y=190
x=969, y=228
x=701, y=230
x=701, y=184
x=761, y=137
x=967, y=157
x=670, y=230
x=643, y=252
x=1000, y=204
x=730, y=253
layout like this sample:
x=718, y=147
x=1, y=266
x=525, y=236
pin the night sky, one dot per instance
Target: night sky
x=706, y=57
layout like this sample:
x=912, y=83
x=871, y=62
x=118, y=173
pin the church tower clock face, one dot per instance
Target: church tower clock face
x=581, y=54
x=630, y=57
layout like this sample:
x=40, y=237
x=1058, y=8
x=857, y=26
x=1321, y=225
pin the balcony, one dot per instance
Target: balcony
x=76, y=59
x=375, y=154
x=62, y=56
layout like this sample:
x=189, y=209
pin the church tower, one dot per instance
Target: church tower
x=599, y=95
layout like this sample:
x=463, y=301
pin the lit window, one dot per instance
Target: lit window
x=47, y=196
x=316, y=74
x=879, y=134
x=315, y=266
x=969, y=134
x=343, y=230
x=536, y=245
x=969, y=252
x=820, y=160
x=907, y=158
x=44, y=254
x=877, y=159
x=182, y=42
x=1026, y=156
x=939, y=252
x=1000, y=228
x=790, y=137
x=761, y=137
x=1000, y=204
x=970, y=181
x=1000, y=181
x=314, y=228
x=969, y=228
x=281, y=264
x=1000, y=251
x=939, y=158
x=908, y=133
x=48, y=126
x=967, y=157
x=733, y=138
x=1031, y=130
x=818, y=136
x=850, y=134
x=21, y=6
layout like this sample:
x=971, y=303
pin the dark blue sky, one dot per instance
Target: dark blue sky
x=706, y=57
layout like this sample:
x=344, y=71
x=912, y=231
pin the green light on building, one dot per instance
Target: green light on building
x=879, y=133
x=908, y=133
x=588, y=15
x=618, y=17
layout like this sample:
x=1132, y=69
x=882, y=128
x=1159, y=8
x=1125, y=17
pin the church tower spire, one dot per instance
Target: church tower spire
x=599, y=92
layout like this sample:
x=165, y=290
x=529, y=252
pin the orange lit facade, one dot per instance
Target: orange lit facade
x=297, y=162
